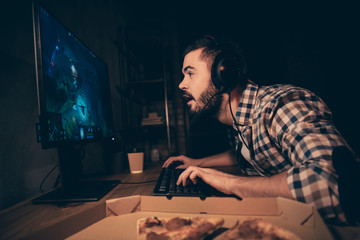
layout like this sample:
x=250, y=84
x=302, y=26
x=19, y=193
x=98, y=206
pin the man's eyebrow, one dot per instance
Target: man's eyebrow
x=186, y=68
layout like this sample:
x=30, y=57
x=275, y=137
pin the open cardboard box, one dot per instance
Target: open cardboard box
x=122, y=215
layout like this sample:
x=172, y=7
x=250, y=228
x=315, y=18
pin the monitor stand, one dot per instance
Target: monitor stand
x=82, y=192
x=73, y=188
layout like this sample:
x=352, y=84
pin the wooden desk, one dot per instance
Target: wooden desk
x=26, y=219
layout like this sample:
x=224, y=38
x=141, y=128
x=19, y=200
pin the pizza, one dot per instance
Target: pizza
x=255, y=228
x=188, y=228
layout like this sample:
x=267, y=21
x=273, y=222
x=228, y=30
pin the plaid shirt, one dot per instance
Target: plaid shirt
x=288, y=128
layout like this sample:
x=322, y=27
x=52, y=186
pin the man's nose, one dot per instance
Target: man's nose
x=183, y=84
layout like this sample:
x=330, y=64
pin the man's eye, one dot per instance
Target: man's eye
x=190, y=74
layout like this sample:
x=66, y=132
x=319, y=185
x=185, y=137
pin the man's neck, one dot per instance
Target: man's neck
x=224, y=115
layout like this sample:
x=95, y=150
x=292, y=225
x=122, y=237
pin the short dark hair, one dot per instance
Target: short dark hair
x=213, y=46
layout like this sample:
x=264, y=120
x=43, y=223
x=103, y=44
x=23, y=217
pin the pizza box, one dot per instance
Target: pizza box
x=122, y=215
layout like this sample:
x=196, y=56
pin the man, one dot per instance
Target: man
x=284, y=139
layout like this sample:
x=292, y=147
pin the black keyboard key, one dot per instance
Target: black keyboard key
x=172, y=188
x=179, y=189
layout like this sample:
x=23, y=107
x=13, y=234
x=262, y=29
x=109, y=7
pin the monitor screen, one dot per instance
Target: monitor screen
x=73, y=86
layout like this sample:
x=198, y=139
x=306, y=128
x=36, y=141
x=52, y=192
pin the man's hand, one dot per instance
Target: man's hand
x=219, y=180
x=226, y=158
x=242, y=186
x=185, y=160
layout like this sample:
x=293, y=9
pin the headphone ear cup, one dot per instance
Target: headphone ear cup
x=215, y=73
x=225, y=72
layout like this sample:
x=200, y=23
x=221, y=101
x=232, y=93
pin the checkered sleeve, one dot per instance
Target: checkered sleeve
x=301, y=125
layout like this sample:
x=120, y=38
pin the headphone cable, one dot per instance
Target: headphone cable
x=235, y=123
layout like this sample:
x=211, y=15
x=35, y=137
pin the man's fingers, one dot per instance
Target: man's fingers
x=182, y=166
x=189, y=174
x=182, y=178
x=193, y=176
x=185, y=177
x=168, y=162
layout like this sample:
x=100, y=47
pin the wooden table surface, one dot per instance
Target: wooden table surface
x=24, y=219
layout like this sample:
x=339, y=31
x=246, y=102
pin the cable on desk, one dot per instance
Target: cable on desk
x=47, y=175
x=151, y=181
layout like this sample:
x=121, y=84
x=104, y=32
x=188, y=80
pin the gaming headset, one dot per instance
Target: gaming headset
x=228, y=69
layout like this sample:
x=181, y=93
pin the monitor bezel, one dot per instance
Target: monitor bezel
x=45, y=143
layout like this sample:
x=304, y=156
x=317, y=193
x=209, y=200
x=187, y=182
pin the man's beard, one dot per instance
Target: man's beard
x=209, y=102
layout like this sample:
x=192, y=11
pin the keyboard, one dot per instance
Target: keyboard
x=166, y=185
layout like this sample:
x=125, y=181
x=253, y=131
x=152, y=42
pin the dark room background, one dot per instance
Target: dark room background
x=309, y=45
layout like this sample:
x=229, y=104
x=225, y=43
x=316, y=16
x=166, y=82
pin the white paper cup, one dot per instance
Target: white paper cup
x=136, y=162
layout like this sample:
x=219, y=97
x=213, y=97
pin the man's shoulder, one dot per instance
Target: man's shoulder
x=280, y=91
x=289, y=98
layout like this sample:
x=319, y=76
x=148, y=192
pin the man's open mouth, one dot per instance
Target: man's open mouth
x=187, y=98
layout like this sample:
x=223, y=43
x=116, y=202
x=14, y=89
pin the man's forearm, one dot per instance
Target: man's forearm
x=226, y=158
x=274, y=186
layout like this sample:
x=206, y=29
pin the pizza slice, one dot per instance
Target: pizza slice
x=177, y=228
x=254, y=228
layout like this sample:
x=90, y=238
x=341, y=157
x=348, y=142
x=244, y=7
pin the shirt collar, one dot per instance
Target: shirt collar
x=247, y=104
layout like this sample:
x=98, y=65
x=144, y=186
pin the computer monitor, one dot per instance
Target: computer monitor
x=74, y=98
